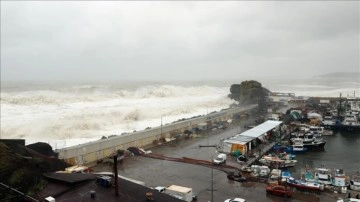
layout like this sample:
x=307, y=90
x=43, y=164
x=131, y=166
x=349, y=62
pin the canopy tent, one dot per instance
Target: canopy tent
x=296, y=115
x=249, y=135
x=313, y=115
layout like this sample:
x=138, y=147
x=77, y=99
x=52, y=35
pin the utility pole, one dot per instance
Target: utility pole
x=161, y=129
x=212, y=172
x=212, y=182
x=116, y=174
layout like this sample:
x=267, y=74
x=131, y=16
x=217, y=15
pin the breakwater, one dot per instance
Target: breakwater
x=90, y=153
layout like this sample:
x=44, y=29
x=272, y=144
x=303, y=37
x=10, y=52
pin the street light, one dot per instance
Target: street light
x=161, y=126
x=212, y=172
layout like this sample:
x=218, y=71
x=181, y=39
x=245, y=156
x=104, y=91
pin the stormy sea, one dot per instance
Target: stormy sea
x=64, y=114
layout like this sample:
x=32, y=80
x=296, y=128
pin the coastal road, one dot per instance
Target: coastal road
x=155, y=172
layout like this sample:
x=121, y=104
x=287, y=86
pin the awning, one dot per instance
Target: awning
x=261, y=129
x=253, y=133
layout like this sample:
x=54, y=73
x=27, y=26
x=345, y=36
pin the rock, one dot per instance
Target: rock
x=250, y=92
x=42, y=148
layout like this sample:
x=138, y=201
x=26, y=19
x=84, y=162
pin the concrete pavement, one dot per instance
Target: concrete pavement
x=155, y=172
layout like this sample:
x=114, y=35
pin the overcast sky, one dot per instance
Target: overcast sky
x=117, y=40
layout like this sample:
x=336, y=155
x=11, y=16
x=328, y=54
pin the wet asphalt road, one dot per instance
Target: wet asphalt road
x=155, y=172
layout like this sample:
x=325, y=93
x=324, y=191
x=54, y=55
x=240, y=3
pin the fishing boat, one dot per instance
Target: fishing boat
x=298, y=148
x=308, y=174
x=276, y=162
x=348, y=121
x=285, y=175
x=320, y=131
x=264, y=171
x=303, y=185
x=246, y=169
x=309, y=141
x=323, y=176
x=339, y=179
x=355, y=182
x=351, y=119
x=260, y=171
x=282, y=148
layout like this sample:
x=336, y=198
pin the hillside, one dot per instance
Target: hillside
x=22, y=168
x=339, y=75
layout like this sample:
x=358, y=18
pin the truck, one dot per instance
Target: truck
x=183, y=193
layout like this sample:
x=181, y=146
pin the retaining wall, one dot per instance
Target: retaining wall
x=91, y=152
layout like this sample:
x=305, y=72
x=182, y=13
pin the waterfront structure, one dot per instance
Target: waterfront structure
x=244, y=142
x=92, y=152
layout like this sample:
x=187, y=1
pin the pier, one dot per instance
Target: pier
x=258, y=155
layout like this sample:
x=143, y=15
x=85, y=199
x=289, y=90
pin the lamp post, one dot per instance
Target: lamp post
x=212, y=181
x=212, y=172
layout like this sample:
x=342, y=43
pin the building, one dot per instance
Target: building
x=247, y=140
x=91, y=187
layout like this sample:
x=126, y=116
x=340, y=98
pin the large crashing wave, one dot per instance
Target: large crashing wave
x=101, y=93
x=94, y=111
x=88, y=112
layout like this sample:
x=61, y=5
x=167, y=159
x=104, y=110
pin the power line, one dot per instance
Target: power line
x=18, y=192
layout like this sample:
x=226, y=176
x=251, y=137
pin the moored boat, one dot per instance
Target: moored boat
x=282, y=148
x=308, y=174
x=350, y=124
x=260, y=171
x=339, y=179
x=310, y=144
x=355, y=182
x=323, y=176
x=298, y=148
x=285, y=175
x=303, y=185
x=276, y=162
x=320, y=131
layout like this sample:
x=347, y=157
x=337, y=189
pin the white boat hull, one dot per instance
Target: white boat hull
x=355, y=187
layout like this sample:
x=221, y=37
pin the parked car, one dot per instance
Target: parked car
x=235, y=200
x=241, y=158
x=238, y=177
x=349, y=200
x=160, y=189
x=221, y=158
x=278, y=190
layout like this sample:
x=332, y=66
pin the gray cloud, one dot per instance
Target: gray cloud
x=177, y=40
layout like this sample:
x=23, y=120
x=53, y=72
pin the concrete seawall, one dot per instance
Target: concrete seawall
x=92, y=152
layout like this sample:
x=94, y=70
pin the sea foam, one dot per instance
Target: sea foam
x=89, y=112
x=66, y=115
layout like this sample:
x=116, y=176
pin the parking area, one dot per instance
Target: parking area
x=209, y=184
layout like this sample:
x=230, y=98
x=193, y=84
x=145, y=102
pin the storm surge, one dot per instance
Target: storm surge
x=68, y=114
x=78, y=114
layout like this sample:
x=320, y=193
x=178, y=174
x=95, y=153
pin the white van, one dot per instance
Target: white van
x=160, y=189
x=221, y=158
